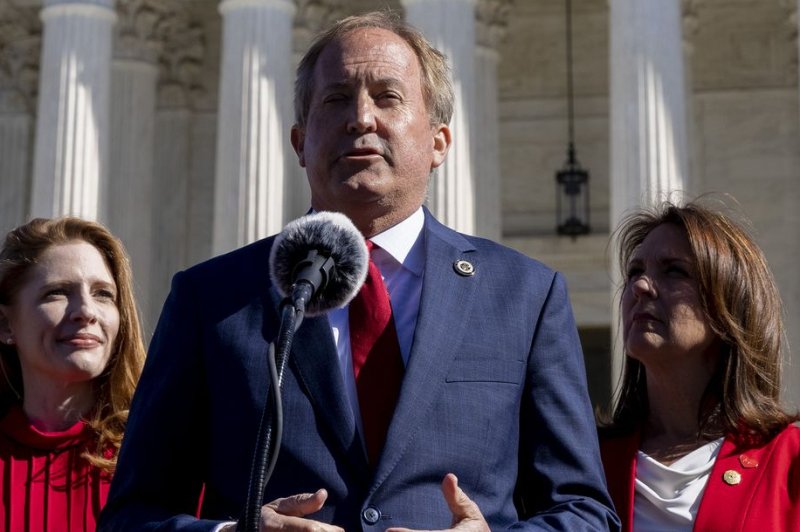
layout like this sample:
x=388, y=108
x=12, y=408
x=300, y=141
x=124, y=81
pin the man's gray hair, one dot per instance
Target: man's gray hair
x=436, y=86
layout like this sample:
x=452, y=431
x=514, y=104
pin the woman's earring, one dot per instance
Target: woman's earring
x=10, y=340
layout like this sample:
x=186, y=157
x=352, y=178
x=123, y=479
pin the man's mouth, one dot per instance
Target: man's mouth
x=362, y=153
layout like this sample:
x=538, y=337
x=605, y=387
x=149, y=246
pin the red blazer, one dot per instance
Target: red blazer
x=749, y=489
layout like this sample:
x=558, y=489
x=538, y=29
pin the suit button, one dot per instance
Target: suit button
x=371, y=515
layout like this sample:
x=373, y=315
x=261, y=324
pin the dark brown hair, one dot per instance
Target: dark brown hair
x=114, y=387
x=436, y=86
x=741, y=303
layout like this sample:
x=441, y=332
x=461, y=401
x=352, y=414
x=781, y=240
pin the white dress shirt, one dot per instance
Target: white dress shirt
x=666, y=498
x=400, y=256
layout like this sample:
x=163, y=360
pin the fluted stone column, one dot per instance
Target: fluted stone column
x=648, y=113
x=450, y=26
x=134, y=74
x=72, y=127
x=491, y=28
x=790, y=290
x=690, y=23
x=182, y=203
x=20, y=48
x=15, y=140
x=254, y=120
x=171, y=204
x=796, y=19
x=792, y=393
x=312, y=17
x=648, y=110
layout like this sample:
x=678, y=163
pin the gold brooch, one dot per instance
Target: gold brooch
x=731, y=477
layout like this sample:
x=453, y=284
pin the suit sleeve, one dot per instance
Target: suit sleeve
x=158, y=478
x=561, y=483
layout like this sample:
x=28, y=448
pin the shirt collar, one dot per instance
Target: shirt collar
x=402, y=241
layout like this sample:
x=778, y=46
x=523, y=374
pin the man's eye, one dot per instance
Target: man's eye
x=55, y=292
x=388, y=97
x=333, y=98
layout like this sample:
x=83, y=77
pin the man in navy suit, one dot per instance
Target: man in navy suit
x=492, y=428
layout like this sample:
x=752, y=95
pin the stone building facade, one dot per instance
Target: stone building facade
x=168, y=120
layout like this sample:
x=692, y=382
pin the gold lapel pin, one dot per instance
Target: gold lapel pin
x=464, y=268
x=731, y=477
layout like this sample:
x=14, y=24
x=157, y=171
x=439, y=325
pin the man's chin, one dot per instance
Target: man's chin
x=365, y=186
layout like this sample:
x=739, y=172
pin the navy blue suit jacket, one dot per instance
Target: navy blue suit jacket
x=494, y=392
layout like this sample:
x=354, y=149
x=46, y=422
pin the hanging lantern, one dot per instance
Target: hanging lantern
x=572, y=203
x=572, y=181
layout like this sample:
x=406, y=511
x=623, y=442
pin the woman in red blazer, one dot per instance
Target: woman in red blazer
x=697, y=438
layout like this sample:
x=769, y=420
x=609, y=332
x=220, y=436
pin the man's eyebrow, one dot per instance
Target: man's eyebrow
x=388, y=82
x=382, y=82
x=336, y=85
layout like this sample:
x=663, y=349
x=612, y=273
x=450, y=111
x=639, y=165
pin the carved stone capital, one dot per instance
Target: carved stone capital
x=136, y=28
x=491, y=22
x=183, y=47
x=789, y=5
x=690, y=24
x=790, y=8
x=313, y=16
x=20, y=49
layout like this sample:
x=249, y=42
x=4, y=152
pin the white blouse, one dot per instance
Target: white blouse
x=666, y=498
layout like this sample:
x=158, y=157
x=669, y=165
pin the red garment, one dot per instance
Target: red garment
x=765, y=499
x=46, y=484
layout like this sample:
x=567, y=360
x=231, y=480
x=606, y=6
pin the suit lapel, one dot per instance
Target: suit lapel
x=314, y=358
x=437, y=331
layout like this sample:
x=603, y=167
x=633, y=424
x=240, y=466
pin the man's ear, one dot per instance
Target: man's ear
x=298, y=143
x=441, y=144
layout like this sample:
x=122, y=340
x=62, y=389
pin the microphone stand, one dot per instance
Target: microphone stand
x=270, y=428
x=314, y=272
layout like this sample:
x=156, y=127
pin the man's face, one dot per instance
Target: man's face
x=368, y=145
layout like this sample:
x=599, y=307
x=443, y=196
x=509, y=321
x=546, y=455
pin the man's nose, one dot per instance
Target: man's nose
x=362, y=115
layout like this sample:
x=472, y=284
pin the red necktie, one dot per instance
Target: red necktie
x=377, y=363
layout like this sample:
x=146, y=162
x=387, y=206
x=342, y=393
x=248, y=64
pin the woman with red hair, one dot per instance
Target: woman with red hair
x=71, y=352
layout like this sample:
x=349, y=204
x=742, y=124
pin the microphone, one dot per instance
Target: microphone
x=320, y=261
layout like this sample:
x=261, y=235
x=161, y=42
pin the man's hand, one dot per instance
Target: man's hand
x=467, y=517
x=287, y=514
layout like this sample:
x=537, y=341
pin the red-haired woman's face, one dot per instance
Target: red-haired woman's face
x=662, y=313
x=64, y=320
